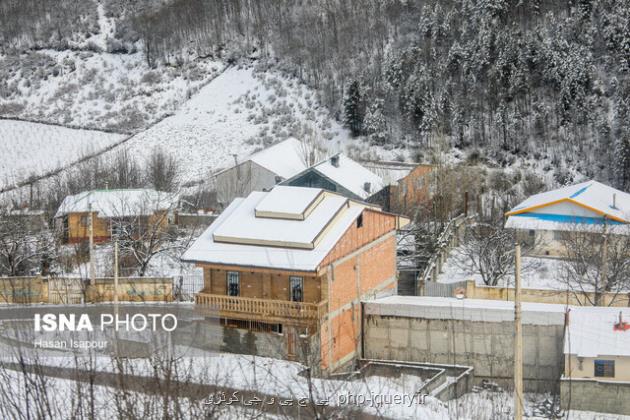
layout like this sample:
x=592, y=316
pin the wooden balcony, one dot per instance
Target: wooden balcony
x=263, y=310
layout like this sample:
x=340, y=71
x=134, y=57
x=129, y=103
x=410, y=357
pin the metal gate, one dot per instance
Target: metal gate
x=185, y=287
x=432, y=288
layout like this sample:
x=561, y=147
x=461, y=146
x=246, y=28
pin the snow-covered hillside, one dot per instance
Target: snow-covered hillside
x=96, y=90
x=239, y=112
x=31, y=149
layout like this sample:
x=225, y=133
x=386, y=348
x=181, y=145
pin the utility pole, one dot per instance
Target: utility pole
x=518, y=339
x=604, y=271
x=91, y=232
x=116, y=274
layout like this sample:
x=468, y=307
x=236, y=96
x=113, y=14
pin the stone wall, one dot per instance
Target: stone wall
x=593, y=395
x=486, y=346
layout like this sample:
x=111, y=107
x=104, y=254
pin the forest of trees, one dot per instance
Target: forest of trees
x=542, y=80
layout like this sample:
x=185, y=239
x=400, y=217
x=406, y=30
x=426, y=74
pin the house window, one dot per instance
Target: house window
x=605, y=368
x=85, y=221
x=296, y=285
x=233, y=283
x=360, y=221
x=532, y=233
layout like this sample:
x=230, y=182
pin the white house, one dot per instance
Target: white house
x=587, y=207
x=339, y=174
x=261, y=170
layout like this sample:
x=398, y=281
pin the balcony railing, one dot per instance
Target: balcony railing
x=262, y=309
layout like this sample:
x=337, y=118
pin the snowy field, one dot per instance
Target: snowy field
x=283, y=379
x=538, y=273
x=97, y=90
x=28, y=149
x=239, y=112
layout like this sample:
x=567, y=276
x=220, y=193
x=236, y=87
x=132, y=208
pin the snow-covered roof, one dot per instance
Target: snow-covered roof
x=284, y=159
x=240, y=237
x=118, y=203
x=390, y=172
x=350, y=175
x=297, y=204
x=591, y=332
x=587, y=205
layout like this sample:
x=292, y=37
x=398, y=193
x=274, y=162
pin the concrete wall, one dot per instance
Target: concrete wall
x=242, y=179
x=593, y=395
x=486, y=346
x=560, y=297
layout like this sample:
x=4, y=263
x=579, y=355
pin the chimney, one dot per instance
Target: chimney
x=621, y=325
x=614, y=206
x=367, y=187
x=334, y=161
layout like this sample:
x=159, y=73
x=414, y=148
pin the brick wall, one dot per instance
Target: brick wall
x=362, y=264
x=262, y=284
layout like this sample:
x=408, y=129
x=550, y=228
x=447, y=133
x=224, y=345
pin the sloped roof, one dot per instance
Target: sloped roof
x=240, y=237
x=284, y=159
x=118, y=203
x=591, y=332
x=350, y=175
x=587, y=204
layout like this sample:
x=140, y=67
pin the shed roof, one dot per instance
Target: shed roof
x=591, y=332
x=350, y=175
x=118, y=203
x=284, y=159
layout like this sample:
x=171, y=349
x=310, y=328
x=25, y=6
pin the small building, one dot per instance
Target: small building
x=262, y=170
x=544, y=220
x=294, y=264
x=407, y=193
x=110, y=210
x=597, y=360
x=339, y=174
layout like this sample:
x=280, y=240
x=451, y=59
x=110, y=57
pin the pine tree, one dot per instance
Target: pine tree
x=353, y=109
x=375, y=123
x=622, y=168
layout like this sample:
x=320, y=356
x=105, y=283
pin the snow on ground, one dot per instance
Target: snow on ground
x=28, y=149
x=97, y=90
x=488, y=405
x=284, y=379
x=538, y=272
x=239, y=112
x=65, y=398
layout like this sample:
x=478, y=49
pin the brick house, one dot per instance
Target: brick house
x=296, y=262
x=110, y=210
x=408, y=192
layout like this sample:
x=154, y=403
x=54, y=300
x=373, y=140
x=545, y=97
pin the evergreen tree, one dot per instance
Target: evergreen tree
x=375, y=123
x=353, y=109
x=622, y=168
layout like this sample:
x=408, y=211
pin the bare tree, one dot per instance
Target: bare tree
x=311, y=145
x=144, y=229
x=22, y=246
x=595, y=261
x=162, y=171
x=489, y=251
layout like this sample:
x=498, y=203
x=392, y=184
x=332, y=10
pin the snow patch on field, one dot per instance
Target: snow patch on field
x=233, y=116
x=538, y=272
x=97, y=90
x=30, y=149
